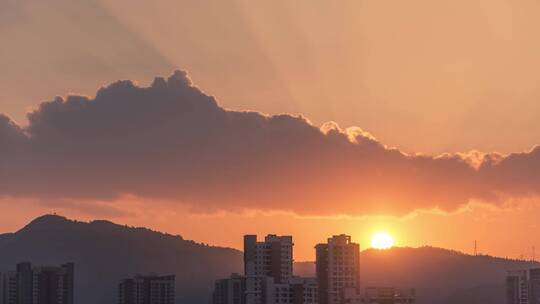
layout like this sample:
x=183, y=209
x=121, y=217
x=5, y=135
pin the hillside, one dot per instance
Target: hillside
x=440, y=276
x=104, y=253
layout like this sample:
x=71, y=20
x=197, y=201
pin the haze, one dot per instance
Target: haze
x=423, y=76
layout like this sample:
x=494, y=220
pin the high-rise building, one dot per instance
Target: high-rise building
x=273, y=257
x=321, y=271
x=147, y=289
x=337, y=268
x=269, y=259
x=268, y=276
x=534, y=286
x=517, y=287
x=39, y=284
x=523, y=286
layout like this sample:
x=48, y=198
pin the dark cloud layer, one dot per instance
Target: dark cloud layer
x=172, y=142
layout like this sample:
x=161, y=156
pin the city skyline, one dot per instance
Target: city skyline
x=269, y=277
x=105, y=252
x=268, y=266
x=406, y=131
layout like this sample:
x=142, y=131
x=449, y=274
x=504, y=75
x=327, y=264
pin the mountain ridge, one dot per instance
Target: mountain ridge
x=439, y=275
x=105, y=252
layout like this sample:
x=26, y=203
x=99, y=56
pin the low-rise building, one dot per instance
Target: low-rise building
x=296, y=290
x=236, y=290
x=231, y=290
x=389, y=295
x=147, y=289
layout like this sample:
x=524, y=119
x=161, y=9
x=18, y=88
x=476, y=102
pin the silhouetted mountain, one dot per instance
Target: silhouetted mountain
x=440, y=276
x=104, y=253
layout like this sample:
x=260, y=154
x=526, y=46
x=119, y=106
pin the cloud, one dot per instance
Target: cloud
x=171, y=142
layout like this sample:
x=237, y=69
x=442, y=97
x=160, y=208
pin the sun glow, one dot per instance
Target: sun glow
x=382, y=240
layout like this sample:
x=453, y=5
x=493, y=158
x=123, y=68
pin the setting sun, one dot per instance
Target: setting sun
x=382, y=240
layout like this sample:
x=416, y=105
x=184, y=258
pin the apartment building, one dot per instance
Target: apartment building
x=147, y=289
x=337, y=268
x=30, y=284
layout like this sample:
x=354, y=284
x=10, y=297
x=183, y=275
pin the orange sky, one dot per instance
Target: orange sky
x=462, y=73
x=422, y=75
x=507, y=233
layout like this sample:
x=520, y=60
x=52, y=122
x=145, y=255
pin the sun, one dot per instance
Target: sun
x=382, y=240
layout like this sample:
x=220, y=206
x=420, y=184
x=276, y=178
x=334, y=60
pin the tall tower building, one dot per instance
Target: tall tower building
x=265, y=263
x=272, y=258
x=150, y=289
x=337, y=268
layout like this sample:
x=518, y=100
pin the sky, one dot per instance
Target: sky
x=309, y=118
